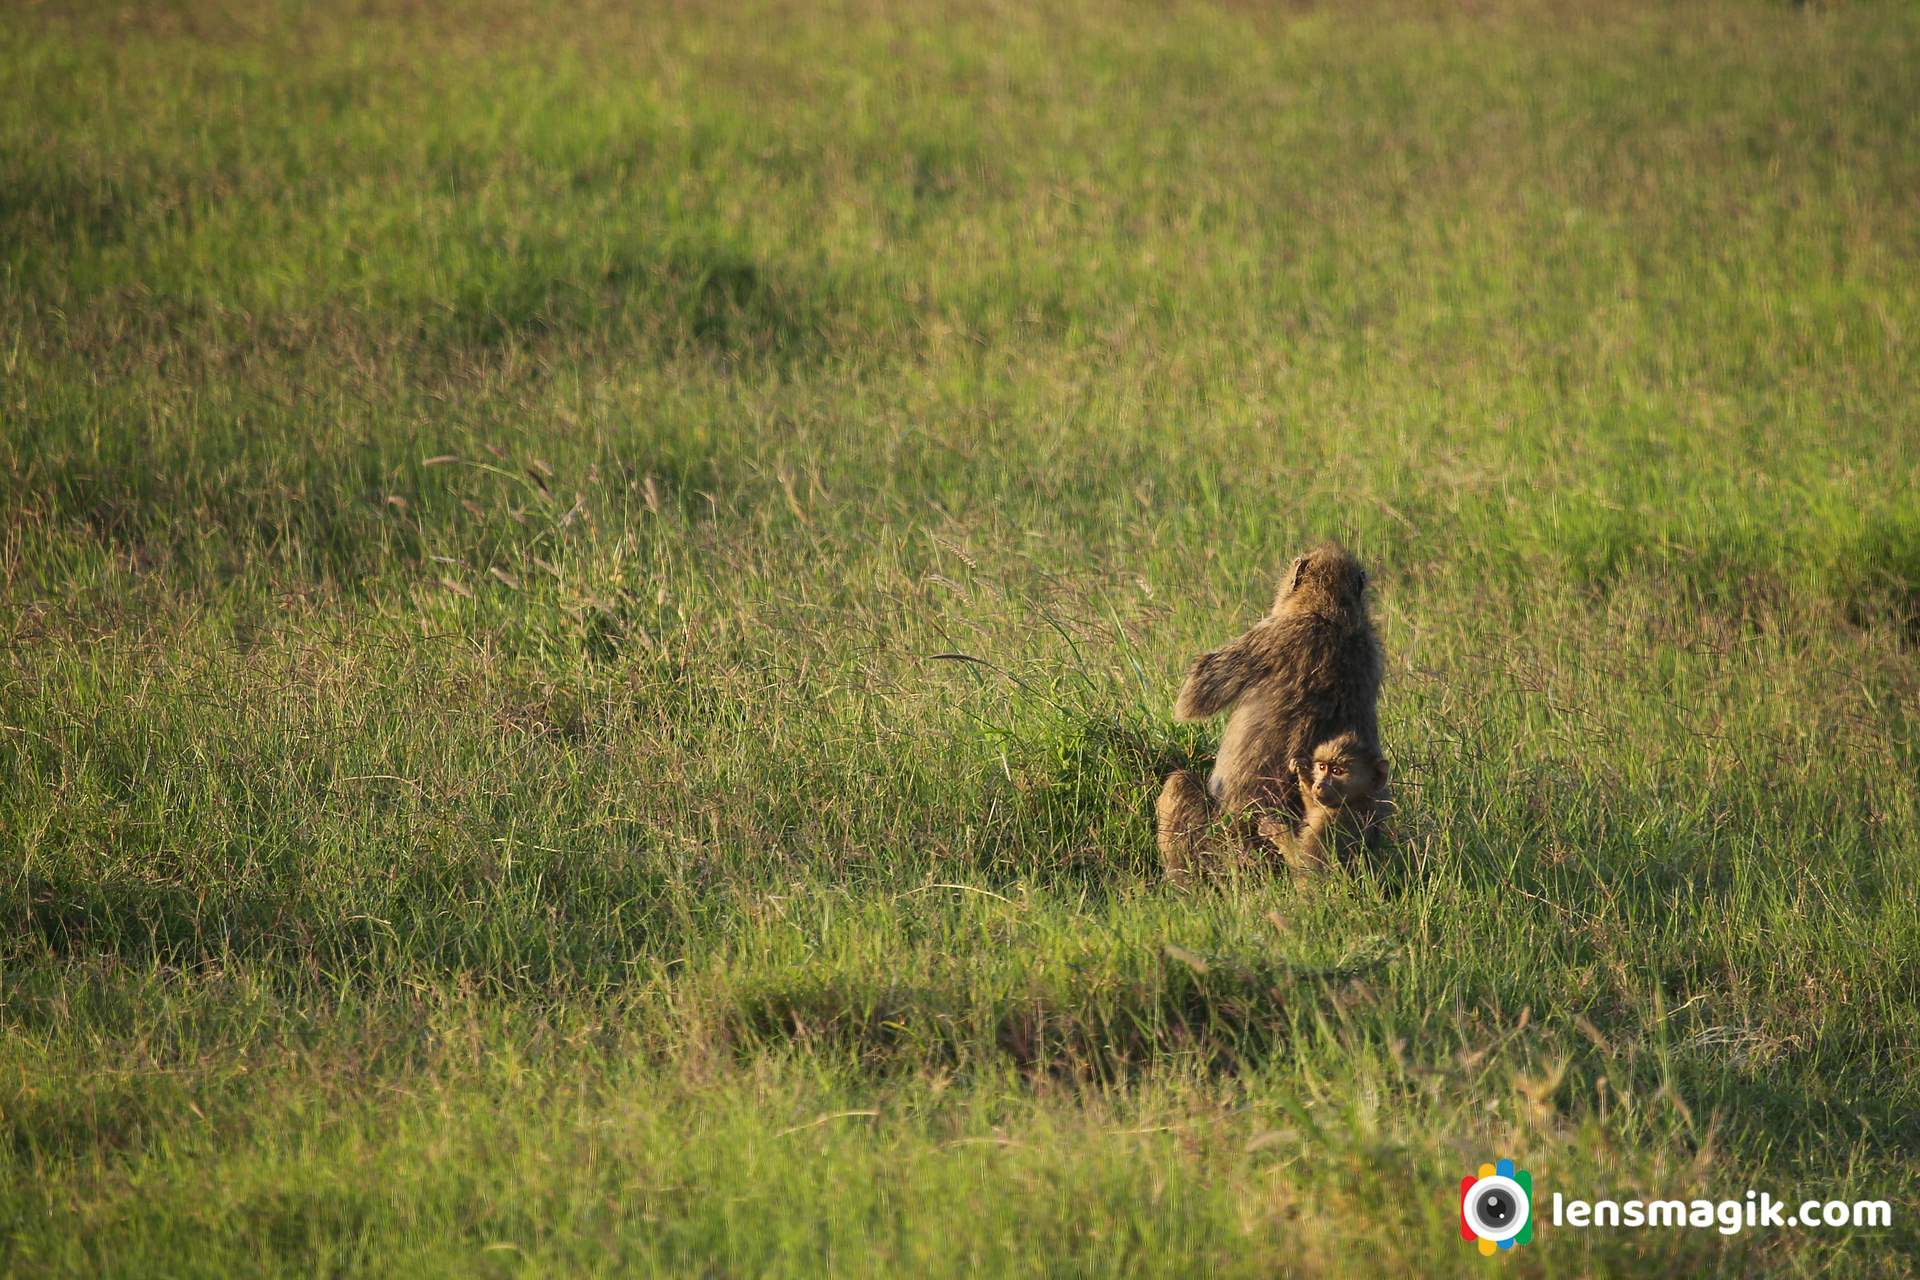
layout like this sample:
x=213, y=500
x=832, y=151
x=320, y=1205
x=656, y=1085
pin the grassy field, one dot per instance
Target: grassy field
x=590, y=599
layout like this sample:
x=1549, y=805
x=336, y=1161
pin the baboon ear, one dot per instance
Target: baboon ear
x=1380, y=765
x=1299, y=571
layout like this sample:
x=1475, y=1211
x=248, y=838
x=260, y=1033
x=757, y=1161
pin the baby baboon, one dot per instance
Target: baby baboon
x=1306, y=673
x=1343, y=789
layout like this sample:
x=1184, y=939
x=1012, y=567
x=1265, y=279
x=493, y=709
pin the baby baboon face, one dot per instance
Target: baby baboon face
x=1341, y=771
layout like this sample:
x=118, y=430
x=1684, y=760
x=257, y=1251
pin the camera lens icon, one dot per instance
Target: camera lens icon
x=1496, y=1207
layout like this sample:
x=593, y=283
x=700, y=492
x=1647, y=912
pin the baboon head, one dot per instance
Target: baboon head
x=1342, y=769
x=1328, y=575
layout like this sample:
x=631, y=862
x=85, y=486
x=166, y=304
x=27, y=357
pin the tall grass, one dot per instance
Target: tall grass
x=589, y=600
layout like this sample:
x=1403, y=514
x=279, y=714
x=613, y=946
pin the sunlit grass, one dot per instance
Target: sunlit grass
x=589, y=602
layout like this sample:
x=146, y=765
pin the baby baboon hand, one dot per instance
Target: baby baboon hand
x=1277, y=832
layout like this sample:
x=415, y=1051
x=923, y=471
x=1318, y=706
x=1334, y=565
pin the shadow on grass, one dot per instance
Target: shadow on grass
x=1079, y=807
x=226, y=500
x=1808, y=1110
x=1864, y=564
x=715, y=300
x=1221, y=1015
x=558, y=934
x=54, y=201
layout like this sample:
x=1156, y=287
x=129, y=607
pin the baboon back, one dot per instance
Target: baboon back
x=1321, y=679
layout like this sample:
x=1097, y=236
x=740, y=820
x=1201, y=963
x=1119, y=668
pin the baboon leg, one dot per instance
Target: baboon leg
x=1181, y=819
x=1303, y=850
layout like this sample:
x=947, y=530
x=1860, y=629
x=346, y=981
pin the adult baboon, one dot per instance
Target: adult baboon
x=1306, y=673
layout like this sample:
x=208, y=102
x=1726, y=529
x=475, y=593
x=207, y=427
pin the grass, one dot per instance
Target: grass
x=589, y=601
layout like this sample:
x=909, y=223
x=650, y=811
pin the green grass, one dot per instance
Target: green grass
x=589, y=601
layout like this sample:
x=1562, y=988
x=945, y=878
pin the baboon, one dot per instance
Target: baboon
x=1306, y=673
x=1343, y=790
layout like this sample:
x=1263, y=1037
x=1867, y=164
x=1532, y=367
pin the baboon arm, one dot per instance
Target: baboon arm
x=1217, y=680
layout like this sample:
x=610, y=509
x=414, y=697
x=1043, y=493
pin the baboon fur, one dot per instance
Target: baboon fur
x=1305, y=674
x=1343, y=790
x=1183, y=819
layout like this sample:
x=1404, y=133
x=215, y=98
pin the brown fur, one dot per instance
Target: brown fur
x=1306, y=673
x=1343, y=790
x=1195, y=834
x=1181, y=819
